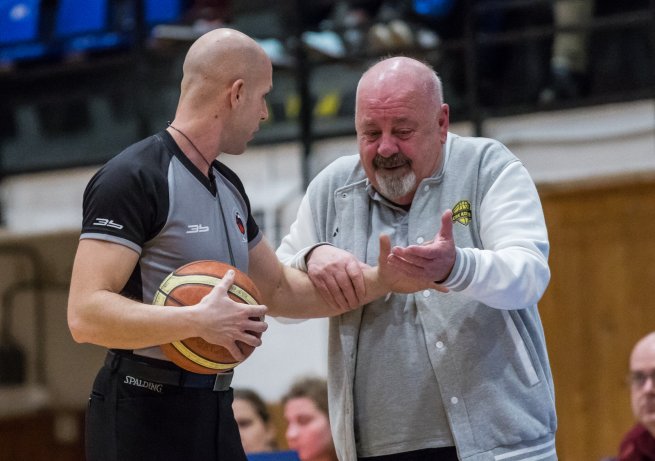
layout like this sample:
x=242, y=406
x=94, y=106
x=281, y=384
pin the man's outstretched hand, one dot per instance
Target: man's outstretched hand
x=339, y=276
x=423, y=265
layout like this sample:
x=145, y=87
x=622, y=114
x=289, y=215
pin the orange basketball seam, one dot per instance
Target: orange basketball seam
x=196, y=355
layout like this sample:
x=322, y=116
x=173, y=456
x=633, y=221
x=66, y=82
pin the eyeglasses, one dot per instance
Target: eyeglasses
x=638, y=379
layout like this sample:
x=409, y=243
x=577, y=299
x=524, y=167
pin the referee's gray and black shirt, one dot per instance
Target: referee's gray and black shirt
x=152, y=199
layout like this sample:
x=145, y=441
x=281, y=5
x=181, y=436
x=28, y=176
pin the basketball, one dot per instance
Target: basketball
x=186, y=286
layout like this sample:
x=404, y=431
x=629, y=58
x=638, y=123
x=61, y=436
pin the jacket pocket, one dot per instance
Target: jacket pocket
x=522, y=352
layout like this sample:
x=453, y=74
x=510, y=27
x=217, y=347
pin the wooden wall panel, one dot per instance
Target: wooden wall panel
x=598, y=304
x=33, y=437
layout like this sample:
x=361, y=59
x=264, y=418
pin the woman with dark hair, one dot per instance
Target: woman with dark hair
x=254, y=420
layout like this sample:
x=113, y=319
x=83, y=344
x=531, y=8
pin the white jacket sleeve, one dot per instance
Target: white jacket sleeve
x=300, y=240
x=511, y=271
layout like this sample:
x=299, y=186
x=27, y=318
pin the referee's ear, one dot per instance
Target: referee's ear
x=236, y=93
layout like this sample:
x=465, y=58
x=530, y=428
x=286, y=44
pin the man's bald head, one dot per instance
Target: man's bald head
x=642, y=370
x=645, y=348
x=402, y=74
x=217, y=59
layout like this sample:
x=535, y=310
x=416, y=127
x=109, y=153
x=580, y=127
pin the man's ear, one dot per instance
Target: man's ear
x=444, y=122
x=236, y=92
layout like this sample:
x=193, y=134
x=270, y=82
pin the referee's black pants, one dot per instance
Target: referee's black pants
x=133, y=416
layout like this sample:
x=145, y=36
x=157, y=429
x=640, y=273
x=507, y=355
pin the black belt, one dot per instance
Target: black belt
x=131, y=365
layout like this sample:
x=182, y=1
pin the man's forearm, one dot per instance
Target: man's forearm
x=297, y=297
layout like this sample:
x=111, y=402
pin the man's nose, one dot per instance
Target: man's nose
x=387, y=146
x=649, y=384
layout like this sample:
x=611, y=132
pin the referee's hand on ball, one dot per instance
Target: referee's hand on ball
x=225, y=322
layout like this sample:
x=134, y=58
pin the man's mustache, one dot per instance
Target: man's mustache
x=395, y=160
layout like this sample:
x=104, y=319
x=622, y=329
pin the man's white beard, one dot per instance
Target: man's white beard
x=393, y=186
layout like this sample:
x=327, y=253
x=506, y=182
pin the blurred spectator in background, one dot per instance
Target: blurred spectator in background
x=198, y=18
x=306, y=412
x=445, y=17
x=258, y=433
x=206, y=15
x=379, y=26
x=569, y=56
x=639, y=443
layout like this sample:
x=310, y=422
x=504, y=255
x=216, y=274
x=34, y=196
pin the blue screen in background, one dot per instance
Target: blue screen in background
x=93, y=25
x=34, y=30
x=19, y=21
x=76, y=17
x=19, y=31
x=162, y=11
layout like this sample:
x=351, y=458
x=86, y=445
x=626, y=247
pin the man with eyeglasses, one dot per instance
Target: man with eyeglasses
x=639, y=443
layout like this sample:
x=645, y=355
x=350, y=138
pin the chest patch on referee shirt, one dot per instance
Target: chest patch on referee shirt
x=462, y=212
x=240, y=225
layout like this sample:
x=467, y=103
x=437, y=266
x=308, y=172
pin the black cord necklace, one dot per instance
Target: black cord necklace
x=212, y=181
x=209, y=165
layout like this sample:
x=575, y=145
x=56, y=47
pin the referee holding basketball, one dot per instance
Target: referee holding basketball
x=162, y=203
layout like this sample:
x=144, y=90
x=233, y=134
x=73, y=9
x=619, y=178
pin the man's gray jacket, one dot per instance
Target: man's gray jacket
x=487, y=345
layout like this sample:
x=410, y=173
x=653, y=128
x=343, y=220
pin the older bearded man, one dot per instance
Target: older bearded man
x=458, y=370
